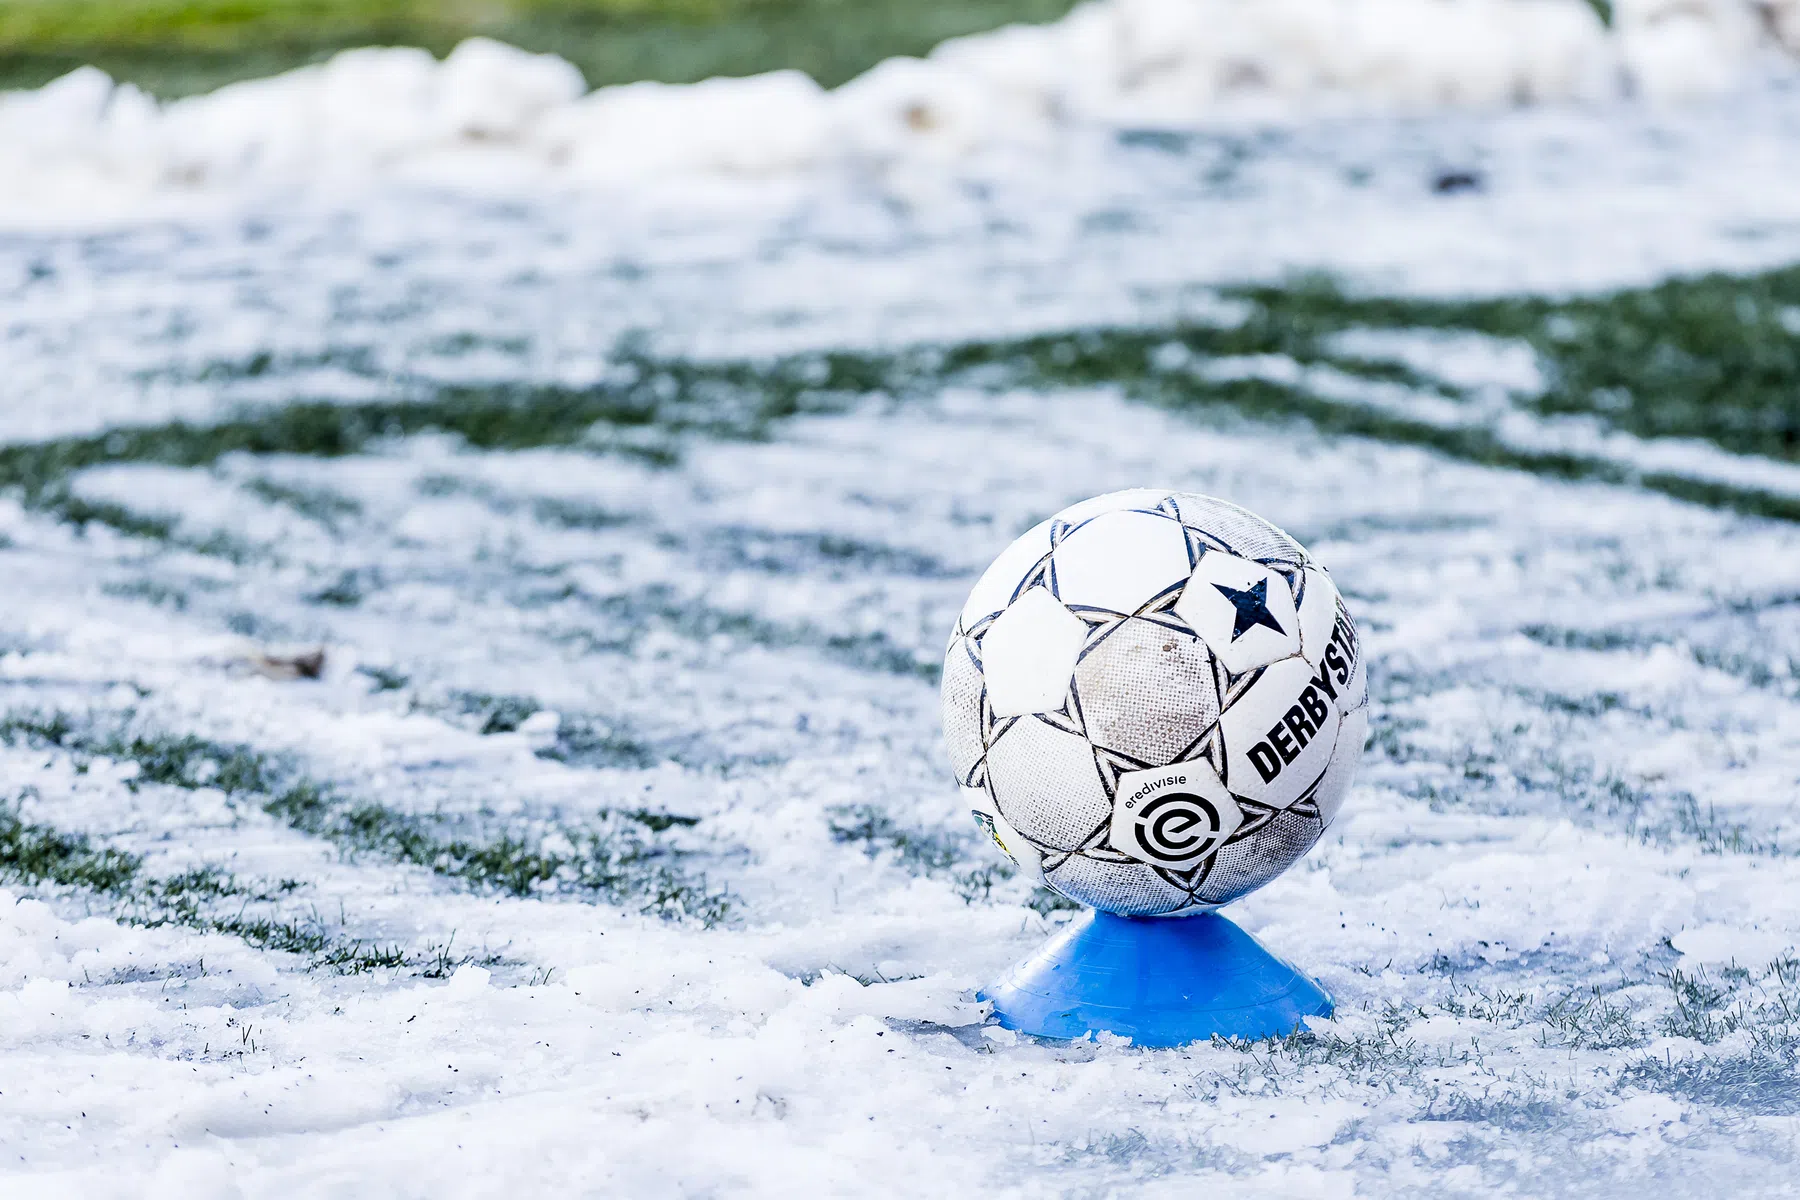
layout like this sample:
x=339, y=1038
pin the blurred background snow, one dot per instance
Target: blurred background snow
x=85, y=143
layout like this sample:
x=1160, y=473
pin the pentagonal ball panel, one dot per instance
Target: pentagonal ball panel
x=1028, y=655
x=1243, y=611
x=1000, y=582
x=1119, y=561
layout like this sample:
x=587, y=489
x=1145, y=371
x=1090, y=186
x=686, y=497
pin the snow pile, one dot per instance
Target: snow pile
x=492, y=112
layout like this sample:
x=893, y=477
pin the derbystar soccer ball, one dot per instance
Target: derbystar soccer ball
x=1154, y=702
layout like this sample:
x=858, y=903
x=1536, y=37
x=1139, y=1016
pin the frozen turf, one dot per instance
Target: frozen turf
x=1584, y=747
x=451, y=745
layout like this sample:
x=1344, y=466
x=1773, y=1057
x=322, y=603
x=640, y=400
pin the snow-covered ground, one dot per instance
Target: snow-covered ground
x=1579, y=802
x=412, y=815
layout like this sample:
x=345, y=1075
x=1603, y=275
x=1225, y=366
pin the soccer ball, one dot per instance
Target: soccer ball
x=1154, y=702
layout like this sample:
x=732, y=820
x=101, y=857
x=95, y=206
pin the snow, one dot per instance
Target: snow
x=1558, y=913
x=605, y=1051
x=1714, y=942
x=81, y=149
x=393, y=290
x=1469, y=361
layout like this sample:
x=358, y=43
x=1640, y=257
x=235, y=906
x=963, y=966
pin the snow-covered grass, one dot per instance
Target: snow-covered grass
x=1688, y=387
x=468, y=657
x=1559, y=919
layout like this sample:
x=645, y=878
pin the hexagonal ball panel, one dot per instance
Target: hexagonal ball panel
x=961, y=702
x=1045, y=782
x=1249, y=863
x=1243, y=611
x=1173, y=816
x=1242, y=531
x=1119, y=561
x=1128, y=888
x=1028, y=655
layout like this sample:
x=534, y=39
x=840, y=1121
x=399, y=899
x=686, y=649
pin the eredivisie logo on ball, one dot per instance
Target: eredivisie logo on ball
x=1175, y=826
x=1173, y=816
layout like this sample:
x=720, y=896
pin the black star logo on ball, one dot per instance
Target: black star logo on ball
x=1252, y=608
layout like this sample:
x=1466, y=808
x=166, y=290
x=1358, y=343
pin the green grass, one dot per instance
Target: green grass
x=176, y=47
x=722, y=400
x=628, y=616
x=613, y=862
x=620, y=859
x=1713, y=357
x=33, y=854
x=326, y=507
x=208, y=899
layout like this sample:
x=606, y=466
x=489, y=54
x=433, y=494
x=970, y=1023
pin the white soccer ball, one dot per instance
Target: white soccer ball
x=1155, y=702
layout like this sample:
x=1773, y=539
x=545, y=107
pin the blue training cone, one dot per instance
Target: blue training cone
x=1158, y=981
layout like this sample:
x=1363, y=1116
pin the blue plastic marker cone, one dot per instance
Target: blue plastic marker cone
x=1158, y=981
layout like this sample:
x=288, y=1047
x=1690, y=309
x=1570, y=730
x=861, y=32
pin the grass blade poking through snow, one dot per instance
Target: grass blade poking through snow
x=623, y=859
x=207, y=899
